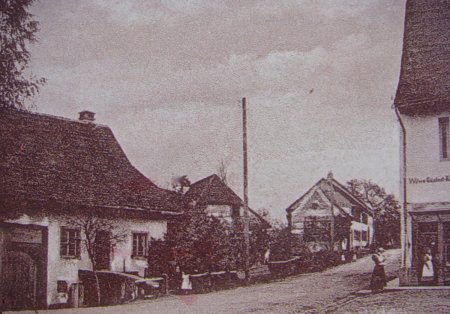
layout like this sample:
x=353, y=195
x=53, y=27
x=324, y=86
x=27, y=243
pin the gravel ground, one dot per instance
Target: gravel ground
x=401, y=302
x=321, y=292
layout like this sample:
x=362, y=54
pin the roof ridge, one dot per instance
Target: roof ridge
x=341, y=186
x=204, y=179
x=304, y=195
x=46, y=115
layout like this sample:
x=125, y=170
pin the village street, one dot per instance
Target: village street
x=321, y=292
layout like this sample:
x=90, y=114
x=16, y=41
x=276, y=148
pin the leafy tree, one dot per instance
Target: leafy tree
x=274, y=222
x=280, y=246
x=200, y=243
x=259, y=242
x=159, y=257
x=17, y=29
x=181, y=184
x=386, y=210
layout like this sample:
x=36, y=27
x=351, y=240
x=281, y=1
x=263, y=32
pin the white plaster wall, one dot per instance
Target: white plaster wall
x=60, y=268
x=223, y=211
x=122, y=260
x=423, y=160
x=220, y=211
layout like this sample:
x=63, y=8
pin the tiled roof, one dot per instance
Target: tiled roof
x=424, y=85
x=333, y=194
x=213, y=191
x=49, y=158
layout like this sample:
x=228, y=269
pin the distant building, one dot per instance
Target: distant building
x=422, y=103
x=323, y=210
x=53, y=170
x=220, y=200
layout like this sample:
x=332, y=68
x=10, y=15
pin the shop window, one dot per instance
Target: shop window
x=444, y=137
x=70, y=242
x=140, y=244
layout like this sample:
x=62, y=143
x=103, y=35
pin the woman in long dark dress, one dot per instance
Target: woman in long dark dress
x=378, y=281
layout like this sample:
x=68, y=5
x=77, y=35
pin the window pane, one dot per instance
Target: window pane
x=444, y=137
x=135, y=240
x=70, y=242
x=139, y=244
x=62, y=244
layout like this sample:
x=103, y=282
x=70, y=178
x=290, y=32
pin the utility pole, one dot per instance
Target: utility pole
x=332, y=199
x=246, y=218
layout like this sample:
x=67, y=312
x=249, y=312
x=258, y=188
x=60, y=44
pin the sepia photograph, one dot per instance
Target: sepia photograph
x=224, y=156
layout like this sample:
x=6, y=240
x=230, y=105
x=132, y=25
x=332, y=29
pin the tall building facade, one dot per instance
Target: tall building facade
x=422, y=104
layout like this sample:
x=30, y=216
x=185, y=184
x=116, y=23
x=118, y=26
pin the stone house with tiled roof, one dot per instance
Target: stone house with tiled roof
x=315, y=215
x=53, y=169
x=422, y=105
x=220, y=200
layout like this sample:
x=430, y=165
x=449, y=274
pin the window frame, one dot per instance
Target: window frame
x=364, y=218
x=70, y=236
x=136, y=251
x=357, y=235
x=356, y=213
x=364, y=235
x=444, y=139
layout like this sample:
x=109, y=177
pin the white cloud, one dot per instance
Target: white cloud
x=168, y=76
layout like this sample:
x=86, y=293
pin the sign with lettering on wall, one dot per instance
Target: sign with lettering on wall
x=426, y=180
x=23, y=235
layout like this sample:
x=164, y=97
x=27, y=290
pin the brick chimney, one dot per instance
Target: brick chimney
x=86, y=115
x=330, y=175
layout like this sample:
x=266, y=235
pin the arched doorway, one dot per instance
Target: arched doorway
x=18, y=277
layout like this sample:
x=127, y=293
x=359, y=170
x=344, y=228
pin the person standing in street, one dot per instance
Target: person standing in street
x=427, y=269
x=186, y=284
x=378, y=280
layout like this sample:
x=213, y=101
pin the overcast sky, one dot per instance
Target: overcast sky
x=168, y=78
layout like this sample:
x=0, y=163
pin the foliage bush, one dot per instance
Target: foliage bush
x=280, y=246
x=290, y=255
x=198, y=243
x=324, y=259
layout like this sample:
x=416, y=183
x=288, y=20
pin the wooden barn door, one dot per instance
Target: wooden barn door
x=18, y=281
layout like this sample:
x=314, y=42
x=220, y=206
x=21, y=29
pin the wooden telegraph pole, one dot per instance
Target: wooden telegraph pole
x=246, y=218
